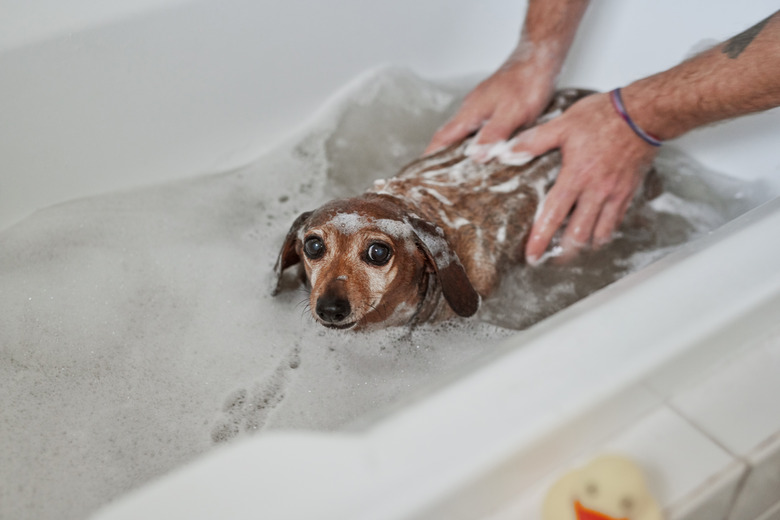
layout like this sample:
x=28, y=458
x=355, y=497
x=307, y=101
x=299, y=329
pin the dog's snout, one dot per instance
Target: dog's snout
x=333, y=309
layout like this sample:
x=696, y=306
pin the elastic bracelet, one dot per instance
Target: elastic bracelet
x=617, y=102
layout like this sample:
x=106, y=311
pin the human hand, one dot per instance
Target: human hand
x=604, y=163
x=515, y=95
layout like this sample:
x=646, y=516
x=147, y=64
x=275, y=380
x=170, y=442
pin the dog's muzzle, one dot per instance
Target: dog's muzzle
x=334, y=310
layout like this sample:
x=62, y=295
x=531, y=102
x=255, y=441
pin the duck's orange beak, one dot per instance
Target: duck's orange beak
x=584, y=513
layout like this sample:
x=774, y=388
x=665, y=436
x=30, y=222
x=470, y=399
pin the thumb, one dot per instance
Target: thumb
x=531, y=143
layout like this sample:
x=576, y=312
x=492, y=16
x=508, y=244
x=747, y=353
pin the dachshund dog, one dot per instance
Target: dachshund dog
x=424, y=245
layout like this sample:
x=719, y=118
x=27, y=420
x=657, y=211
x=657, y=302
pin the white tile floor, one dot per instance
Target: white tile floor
x=660, y=441
x=739, y=407
x=666, y=440
x=727, y=403
x=712, y=452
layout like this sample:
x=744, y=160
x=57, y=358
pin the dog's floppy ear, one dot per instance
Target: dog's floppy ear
x=288, y=256
x=455, y=284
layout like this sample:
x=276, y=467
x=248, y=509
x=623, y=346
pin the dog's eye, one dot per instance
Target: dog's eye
x=378, y=253
x=313, y=247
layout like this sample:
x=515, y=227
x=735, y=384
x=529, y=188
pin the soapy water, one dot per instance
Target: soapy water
x=693, y=202
x=137, y=330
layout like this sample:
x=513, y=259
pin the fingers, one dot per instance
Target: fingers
x=554, y=211
x=506, y=101
x=531, y=143
x=579, y=230
x=493, y=128
x=602, y=167
x=609, y=220
x=561, y=198
x=491, y=140
x=504, y=122
x=570, y=195
x=592, y=224
x=454, y=130
x=593, y=219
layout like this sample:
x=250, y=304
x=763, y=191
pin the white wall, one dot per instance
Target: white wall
x=201, y=86
x=100, y=96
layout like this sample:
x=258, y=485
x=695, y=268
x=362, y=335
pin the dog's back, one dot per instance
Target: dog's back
x=485, y=209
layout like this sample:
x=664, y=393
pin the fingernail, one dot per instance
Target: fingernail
x=515, y=158
x=532, y=260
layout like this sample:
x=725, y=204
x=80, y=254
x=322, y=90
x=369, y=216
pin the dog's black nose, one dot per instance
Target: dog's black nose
x=333, y=309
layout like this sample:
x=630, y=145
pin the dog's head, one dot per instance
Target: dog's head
x=369, y=261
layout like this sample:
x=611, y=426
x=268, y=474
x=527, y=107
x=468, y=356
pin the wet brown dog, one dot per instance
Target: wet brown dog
x=424, y=245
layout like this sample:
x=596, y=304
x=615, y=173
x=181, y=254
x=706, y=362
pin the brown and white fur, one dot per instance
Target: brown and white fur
x=450, y=225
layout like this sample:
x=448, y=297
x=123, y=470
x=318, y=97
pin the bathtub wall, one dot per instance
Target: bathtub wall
x=101, y=96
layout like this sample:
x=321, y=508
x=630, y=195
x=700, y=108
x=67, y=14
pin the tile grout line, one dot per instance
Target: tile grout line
x=748, y=467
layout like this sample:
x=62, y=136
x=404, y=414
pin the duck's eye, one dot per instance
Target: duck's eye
x=378, y=253
x=313, y=248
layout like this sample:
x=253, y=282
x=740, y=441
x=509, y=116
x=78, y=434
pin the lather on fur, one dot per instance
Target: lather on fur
x=424, y=245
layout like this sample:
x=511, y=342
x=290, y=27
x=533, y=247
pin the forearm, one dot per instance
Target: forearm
x=737, y=77
x=548, y=32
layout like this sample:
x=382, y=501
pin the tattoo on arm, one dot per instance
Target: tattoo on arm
x=739, y=43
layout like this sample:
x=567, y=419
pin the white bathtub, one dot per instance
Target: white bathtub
x=659, y=365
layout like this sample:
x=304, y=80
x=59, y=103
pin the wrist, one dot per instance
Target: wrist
x=544, y=59
x=617, y=103
x=655, y=111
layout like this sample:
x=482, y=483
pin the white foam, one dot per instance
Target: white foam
x=438, y=196
x=507, y=187
x=348, y=223
x=485, y=152
x=501, y=234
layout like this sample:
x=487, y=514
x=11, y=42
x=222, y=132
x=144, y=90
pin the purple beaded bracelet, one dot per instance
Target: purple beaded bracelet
x=617, y=102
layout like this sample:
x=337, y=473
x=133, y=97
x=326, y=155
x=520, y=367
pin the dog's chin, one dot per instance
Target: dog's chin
x=338, y=326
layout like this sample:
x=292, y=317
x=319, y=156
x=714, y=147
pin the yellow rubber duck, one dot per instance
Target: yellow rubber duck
x=611, y=487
